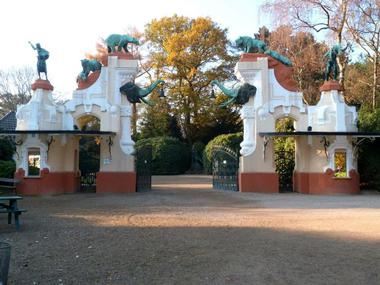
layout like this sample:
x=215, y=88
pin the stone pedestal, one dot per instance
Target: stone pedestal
x=40, y=113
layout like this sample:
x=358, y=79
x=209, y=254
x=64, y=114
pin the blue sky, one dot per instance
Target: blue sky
x=69, y=29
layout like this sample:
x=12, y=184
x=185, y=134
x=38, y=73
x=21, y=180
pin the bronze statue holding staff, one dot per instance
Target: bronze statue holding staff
x=42, y=56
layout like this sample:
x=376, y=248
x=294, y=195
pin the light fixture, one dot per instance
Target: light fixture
x=162, y=93
x=212, y=96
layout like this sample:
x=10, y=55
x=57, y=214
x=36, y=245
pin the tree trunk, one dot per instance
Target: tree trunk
x=342, y=60
x=374, y=87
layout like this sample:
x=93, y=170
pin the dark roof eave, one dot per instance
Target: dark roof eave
x=57, y=132
x=300, y=133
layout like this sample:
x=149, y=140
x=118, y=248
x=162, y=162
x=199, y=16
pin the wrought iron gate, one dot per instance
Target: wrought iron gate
x=88, y=181
x=225, y=168
x=285, y=163
x=143, y=163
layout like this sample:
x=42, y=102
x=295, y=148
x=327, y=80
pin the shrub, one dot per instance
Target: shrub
x=197, y=157
x=229, y=140
x=169, y=155
x=369, y=156
x=7, y=148
x=7, y=168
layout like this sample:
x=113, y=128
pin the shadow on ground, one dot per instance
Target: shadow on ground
x=194, y=237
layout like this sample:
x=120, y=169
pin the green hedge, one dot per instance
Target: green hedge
x=7, y=148
x=369, y=155
x=169, y=155
x=7, y=168
x=229, y=140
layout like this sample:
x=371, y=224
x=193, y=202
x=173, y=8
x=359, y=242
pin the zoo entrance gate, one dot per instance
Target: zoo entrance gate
x=225, y=168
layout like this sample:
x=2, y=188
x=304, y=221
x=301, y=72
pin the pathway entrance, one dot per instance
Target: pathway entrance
x=182, y=182
x=89, y=153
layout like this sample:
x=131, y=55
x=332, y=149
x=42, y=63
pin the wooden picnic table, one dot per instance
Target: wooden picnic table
x=8, y=205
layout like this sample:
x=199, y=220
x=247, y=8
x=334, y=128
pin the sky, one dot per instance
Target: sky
x=70, y=29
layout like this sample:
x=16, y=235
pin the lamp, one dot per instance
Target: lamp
x=212, y=96
x=162, y=93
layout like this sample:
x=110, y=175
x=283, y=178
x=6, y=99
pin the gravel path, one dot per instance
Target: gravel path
x=183, y=232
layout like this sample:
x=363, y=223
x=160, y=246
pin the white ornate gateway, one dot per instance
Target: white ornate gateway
x=48, y=143
x=46, y=133
x=321, y=131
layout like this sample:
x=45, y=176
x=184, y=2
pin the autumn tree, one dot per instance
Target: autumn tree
x=15, y=88
x=357, y=85
x=188, y=54
x=363, y=24
x=157, y=120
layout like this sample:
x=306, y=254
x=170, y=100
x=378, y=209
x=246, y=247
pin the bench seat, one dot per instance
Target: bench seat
x=6, y=211
x=16, y=213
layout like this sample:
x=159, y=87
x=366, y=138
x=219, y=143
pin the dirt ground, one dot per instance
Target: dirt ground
x=183, y=233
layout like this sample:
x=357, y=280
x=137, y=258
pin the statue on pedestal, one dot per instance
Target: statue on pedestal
x=42, y=56
x=88, y=65
x=119, y=41
x=251, y=45
x=332, y=68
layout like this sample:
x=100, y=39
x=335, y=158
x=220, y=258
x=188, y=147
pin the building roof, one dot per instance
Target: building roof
x=8, y=127
x=8, y=122
x=56, y=132
x=326, y=133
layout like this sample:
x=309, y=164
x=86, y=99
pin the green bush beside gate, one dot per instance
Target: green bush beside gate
x=7, y=165
x=229, y=140
x=7, y=168
x=169, y=155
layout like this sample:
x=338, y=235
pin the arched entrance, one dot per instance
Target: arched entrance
x=284, y=154
x=89, y=153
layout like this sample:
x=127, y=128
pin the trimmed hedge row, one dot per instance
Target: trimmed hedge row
x=169, y=155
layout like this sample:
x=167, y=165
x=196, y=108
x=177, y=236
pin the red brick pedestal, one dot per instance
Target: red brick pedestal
x=116, y=182
x=262, y=182
x=47, y=183
x=325, y=183
x=42, y=84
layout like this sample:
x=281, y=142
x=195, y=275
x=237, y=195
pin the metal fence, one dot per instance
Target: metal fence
x=225, y=168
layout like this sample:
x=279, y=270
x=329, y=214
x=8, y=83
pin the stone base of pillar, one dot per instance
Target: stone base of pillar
x=116, y=182
x=261, y=182
x=325, y=183
x=47, y=183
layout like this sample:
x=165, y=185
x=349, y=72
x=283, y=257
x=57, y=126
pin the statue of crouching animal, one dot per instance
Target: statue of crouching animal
x=88, y=65
x=251, y=45
x=248, y=44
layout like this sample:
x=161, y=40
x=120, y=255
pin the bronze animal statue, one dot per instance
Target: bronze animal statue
x=283, y=59
x=251, y=45
x=332, y=68
x=119, y=41
x=136, y=94
x=239, y=95
x=88, y=65
x=42, y=56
